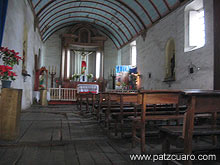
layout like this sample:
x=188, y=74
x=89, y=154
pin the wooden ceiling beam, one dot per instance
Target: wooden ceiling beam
x=91, y=19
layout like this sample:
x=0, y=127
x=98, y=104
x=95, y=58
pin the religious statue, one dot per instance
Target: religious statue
x=41, y=81
x=172, y=66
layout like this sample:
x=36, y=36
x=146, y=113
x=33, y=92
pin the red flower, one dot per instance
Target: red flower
x=9, y=57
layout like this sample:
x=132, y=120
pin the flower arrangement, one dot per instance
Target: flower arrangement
x=89, y=76
x=6, y=73
x=75, y=76
x=9, y=57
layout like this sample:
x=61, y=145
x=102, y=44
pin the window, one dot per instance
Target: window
x=194, y=26
x=133, y=54
x=98, y=62
x=68, y=64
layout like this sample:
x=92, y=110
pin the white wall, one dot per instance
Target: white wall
x=53, y=52
x=19, y=13
x=151, y=54
x=110, y=60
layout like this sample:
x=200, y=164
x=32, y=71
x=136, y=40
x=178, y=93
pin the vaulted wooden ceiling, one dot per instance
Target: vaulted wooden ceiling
x=120, y=20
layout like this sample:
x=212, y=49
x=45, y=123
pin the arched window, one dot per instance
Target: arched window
x=170, y=60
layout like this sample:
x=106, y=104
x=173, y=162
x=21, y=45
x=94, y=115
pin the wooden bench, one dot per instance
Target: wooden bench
x=87, y=99
x=103, y=98
x=200, y=102
x=114, y=103
x=129, y=105
x=150, y=97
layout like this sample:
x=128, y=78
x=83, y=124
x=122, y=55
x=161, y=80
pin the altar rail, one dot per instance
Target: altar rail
x=63, y=94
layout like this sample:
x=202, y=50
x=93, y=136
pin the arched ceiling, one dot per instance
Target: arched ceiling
x=120, y=20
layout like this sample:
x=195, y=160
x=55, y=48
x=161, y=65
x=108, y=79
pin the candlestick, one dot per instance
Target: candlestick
x=52, y=73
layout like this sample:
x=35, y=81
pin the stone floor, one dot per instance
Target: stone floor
x=59, y=135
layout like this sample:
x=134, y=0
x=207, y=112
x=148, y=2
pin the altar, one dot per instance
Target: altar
x=88, y=88
x=74, y=84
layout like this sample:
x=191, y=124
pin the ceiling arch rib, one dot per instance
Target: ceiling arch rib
x=91, y=20
x=108, y=3
x=144, y=10
x=161, y=6
x=111, y=24
x=132, y=15
x=124, y=20
x=64, y=11
x=130, y=9
x=155, y=8
x=102, y=29
x=122, y=16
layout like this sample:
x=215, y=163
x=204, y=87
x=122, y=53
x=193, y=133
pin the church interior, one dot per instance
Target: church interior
x=109, y=82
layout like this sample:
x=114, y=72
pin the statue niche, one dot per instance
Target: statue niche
x=170, y=61
x=84, y=35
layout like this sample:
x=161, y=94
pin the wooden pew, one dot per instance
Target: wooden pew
x=154, y=97
x=200, y=102
x=87, y=99
x=103, y=101
x=117, y=104
x=132, y=100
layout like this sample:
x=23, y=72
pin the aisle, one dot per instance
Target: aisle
x=59, y=135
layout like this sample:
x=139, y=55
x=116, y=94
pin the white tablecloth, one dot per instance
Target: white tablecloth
x=37, y=95
x=87, y=88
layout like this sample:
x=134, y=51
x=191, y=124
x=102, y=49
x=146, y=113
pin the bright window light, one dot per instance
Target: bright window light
x=68, y=64
x=196, y=29
x=133, y=54
x=63, y=61
x=98, y=60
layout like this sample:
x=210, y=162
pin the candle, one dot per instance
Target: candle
x=55, y=69
x=49, y=68
x=52, y=68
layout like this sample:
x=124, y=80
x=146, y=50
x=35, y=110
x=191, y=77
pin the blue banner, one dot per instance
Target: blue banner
x=122, y=68
x=3, y=10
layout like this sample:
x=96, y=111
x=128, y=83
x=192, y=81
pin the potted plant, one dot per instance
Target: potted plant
x=9, y=58
x=6, y=75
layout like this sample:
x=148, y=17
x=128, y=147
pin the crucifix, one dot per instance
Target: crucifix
x=83, y=63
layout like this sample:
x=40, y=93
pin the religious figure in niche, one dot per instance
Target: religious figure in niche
x=172, y=65
x=25, y=37
x=170, y=61
x=83, y=68
x=42, y=78
x=83, y=65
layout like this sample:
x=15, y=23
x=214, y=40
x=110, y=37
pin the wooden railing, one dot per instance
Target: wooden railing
x=63, y=94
